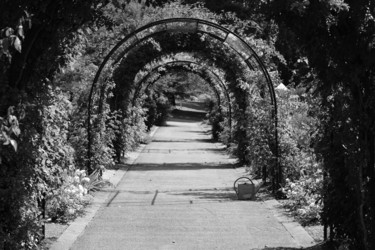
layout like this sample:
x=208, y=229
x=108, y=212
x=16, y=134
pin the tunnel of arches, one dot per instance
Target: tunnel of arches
x=190, y=64
x=221, y=59
x=222, y=97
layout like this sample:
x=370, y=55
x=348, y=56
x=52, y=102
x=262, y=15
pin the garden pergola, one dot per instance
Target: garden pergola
x=187, y=25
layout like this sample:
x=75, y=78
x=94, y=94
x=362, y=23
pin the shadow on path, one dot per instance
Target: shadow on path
x=179, y=166
x=319, y=246
x=183, y=140
x=219, y=194
x=190, y=116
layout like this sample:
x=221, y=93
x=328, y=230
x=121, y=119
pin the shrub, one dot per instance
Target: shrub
x=158, y=108
x=215, y=118
x=131, y=131
x=163, y=109
x=305, y=196
x=68, y=201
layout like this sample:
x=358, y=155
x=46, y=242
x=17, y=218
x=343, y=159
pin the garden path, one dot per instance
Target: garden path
x=178, y=195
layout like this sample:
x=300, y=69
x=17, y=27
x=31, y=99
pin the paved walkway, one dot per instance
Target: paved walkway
x=179, y=195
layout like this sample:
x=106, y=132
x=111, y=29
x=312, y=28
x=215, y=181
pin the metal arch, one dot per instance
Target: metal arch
x=213, y=86
x=177, y=64
x=153, y=70
x=221, y=33
x=186, y=57
x=186, y=25
x=189, y=62
x=147, y=78
x=183, y=62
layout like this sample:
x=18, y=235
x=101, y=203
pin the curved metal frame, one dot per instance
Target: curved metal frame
x=175, y=64
x=155, y=69
x=148, y=76
x=185, y=58
x=189, y=25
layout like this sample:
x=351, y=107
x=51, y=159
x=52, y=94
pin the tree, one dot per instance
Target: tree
x=34, y=43
x=337, y=39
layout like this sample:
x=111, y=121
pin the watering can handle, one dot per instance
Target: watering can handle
x=234, y=185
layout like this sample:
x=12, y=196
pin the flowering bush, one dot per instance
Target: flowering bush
x=304, y=197
x=67, y=202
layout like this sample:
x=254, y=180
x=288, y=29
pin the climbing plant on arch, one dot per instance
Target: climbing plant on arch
x=190, y=64
x=186, y=25
x=156, y=73
x=223, y=99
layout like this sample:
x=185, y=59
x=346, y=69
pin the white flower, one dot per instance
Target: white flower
x=301, y=211
x=85, y=180
x=71, y=211
x=81, y=189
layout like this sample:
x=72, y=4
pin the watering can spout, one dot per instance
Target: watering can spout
x=258, y=186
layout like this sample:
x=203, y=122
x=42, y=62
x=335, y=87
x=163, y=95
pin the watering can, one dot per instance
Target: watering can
x=246, y=190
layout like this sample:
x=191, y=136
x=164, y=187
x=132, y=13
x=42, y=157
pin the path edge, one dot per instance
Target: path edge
x=76, y=228
x=298, y=233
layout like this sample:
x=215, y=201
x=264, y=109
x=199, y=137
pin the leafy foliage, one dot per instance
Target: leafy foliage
x=9, y=127
x=216, y=119
x=130, y=133
x=304, y=196
x=50, y=51
x=68, y=201
x=32, y=45
x=335, y=38
x=158, y=108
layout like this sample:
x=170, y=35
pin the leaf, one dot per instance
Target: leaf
x=17, y=43
x=14, y=144
x=16, y=131
x=7, y=32
x=10, y=111
x=27, y=14
x=4, y=46
x=6, y=138
x=20, y=32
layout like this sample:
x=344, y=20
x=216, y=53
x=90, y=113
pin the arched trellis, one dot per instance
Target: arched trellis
x=151, y=81
x=184, y=58
x=152, y=71
x=187, y=25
